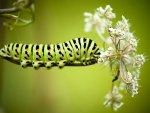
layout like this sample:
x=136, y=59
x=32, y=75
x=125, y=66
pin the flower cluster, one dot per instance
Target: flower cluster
x=100, y=20
x=113, y=99
x=121, y=53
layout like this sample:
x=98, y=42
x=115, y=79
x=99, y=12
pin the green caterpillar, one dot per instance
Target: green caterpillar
x=83, y=50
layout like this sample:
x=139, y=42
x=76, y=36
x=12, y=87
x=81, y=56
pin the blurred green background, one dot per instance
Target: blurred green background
x=72, y=89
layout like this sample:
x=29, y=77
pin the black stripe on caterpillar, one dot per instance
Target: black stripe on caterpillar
x=83, y=50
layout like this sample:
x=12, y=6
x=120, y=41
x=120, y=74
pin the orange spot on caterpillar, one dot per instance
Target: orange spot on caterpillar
x=25, y=57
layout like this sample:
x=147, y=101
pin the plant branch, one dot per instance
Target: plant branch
x=17, y=8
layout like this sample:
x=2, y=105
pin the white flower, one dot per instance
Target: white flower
x=88, y=27
x=101, y=11
x=129, y=35
x=133, y=87
x=103, y=56
x=110, y=49
x=139, y=60
x=100, y=20
x=109, y=41
x=129, y=76
x=117, y=105
x=133, y=42
x=88, y=20
x=87, y=14
x=116, y=33
x=123, y=25
x=114, y=99
x=100, y=24
x=107, y=12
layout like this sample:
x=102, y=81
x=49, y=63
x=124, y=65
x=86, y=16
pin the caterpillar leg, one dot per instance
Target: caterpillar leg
x=48, y=65
x=85, y=61
x=37, y=64
x=24, y=63
x=4, y=54
x=88, y=61
x=62, y=63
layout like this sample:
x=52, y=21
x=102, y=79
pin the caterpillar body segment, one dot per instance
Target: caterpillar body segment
x=49, y=55
x=82, y=50
x=26, y=56
x=69, y=51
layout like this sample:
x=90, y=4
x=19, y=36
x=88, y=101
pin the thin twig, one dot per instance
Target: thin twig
x=15, y=9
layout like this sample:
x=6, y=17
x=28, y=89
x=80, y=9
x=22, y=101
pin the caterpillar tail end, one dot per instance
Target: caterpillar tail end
x=1, y=53
x=5, y=55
